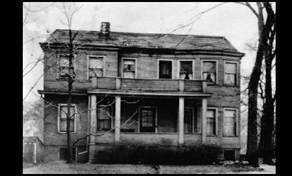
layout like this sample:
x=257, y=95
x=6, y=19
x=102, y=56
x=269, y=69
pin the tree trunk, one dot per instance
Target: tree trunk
x=252, y=152
x=70, y=81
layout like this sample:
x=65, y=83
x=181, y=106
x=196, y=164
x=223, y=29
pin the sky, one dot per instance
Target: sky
x=234, y=21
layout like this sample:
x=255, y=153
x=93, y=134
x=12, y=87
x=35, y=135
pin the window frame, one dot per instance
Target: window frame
x=128, y=58
x=216, y=120
x=110, y=119
x=155, y=120
x=59, y=56
x=179, y=67
x=237, y=73
x=202, y=67
x=59, y=117
x=172, y=68
x=236, y=121
x=88, y=62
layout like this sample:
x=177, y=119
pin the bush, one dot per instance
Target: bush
x=129, y=152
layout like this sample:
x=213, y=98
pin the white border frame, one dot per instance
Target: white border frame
x=216, y=121
x=101, y=106
x=155, y=121
x=172, y=66
x=179, y=65
x=87, y=65
x=122, y=66
x=217, y=71
x=75, y=117
x=236, y=120
x=237, y=73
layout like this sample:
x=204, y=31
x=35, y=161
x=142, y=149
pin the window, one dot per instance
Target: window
x=211, y=121
x=230, y=73
x=165, y=69
x=229, y=122
x=104, y=121
x=188, y=120
x=186, y=70
x=129, y=68
x=95, y=66
x=63, y=118
x=64, y=65
x=209, y=71
x=147, y=119
x=63, y=154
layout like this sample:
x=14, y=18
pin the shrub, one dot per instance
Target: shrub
x=129, y=152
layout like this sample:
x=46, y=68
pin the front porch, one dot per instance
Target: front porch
x=176, y=120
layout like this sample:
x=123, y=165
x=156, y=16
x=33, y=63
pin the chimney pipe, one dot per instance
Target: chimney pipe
x=105, y=29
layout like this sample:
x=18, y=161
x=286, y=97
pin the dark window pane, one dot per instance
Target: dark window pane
x=186, y=66
x=165, y=69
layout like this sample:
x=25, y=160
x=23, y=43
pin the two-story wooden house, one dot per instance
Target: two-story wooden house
x=141, y=86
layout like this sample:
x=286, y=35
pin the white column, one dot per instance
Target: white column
x=181, y=120
x=204, y=119
x=117, y=118
x=92, y=117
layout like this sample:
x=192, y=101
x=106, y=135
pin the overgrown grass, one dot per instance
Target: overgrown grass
x=129, y=152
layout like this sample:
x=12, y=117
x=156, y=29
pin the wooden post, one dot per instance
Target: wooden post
x=92, y=117
x=118, y=83
x=181, y=85
x=117, y=117
x=181, y=120
x=204, y=119
x=204, y=85
x=94, y=82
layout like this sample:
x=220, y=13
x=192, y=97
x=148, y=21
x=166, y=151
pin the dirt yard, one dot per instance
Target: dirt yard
x=63, y=168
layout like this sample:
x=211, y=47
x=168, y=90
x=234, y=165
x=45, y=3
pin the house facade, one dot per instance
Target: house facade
x=139, y=86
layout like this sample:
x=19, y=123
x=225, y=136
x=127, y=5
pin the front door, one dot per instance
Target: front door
x=147, y=119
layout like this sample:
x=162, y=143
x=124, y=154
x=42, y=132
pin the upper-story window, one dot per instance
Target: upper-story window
x=129, y=68
x=64, y=64
x=209, y=71
x=95, y=67
x=230, y=73
x=165, y=69
x=186, y=70
x=62, y=117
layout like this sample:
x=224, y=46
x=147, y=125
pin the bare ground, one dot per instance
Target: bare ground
x=63, y=168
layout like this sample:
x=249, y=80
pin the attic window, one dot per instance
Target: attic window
x=95, y=66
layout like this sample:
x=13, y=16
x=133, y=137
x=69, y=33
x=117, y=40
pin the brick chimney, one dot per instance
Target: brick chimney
x=104, y=29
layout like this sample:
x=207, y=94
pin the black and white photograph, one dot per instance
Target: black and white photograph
x=149, y=87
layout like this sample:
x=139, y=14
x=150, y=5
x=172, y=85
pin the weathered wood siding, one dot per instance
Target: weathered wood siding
x=51, y=134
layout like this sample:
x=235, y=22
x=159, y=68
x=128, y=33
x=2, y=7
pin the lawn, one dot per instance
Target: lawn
x=63, y=168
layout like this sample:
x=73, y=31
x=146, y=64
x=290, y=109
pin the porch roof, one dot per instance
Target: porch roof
x=149, y=93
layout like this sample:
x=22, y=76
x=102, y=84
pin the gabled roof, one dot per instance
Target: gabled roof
x=145, y=40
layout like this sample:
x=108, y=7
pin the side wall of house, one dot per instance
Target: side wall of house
x=54, y=140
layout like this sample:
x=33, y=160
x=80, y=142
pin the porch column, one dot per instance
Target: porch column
x=117, y=117
x=181, y=120
x=92, y=117
x=204, y=120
